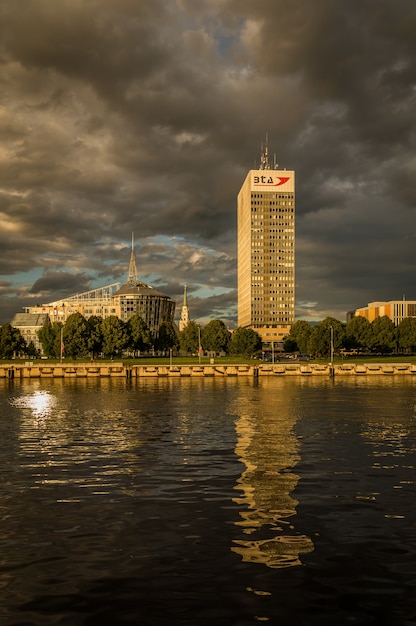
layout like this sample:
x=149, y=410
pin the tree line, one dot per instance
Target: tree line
x=112, y=337
x=380, y=336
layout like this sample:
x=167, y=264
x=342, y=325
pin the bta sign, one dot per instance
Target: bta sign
x=273, y=181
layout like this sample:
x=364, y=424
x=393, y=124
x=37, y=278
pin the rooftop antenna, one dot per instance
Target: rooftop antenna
x=133, y=278
x=264, y=157
x=266, y=154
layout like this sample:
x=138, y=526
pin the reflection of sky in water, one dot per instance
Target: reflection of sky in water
x=40, y=403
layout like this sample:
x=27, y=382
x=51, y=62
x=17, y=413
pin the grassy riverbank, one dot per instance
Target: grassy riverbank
x=225, y=360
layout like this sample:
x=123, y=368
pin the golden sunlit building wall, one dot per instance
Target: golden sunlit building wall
x=396, y=310
x=266, y=251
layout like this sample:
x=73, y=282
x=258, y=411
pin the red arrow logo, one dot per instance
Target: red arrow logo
x=282, y=180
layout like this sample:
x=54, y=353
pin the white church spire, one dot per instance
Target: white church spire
x=184, y=321
x=133, y=278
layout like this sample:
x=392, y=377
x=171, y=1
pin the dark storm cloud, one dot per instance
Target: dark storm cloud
x=120, y=116
x=54, y=283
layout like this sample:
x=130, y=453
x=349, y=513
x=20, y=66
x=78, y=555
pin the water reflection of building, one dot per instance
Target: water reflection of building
x=269, y=449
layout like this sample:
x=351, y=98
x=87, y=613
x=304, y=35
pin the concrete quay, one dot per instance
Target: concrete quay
x=120, y=370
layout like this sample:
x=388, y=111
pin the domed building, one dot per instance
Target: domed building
x=135, y=297
x=153, y=306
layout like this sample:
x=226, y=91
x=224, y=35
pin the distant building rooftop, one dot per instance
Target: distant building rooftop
x=21, y=320
x=138, y=289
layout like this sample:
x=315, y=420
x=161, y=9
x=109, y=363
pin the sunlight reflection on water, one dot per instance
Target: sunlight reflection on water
x=40, y=403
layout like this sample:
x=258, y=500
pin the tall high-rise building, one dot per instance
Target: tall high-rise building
x=266, y=250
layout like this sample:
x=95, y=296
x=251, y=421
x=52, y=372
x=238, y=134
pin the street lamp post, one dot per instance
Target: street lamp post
x=331, y=372
x=199, y=345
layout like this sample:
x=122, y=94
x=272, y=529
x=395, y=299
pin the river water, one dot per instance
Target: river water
x=208, y=501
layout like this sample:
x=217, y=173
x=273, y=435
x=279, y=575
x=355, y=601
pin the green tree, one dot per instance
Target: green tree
x=189, y=338
x=11, y=342
x=357, y=333
x=31, y=350
x=50, y=339
x=290, y=345
x=140, y=338
x=75, y=336
x=245, y=342
x=383, y=335
x=115, y=335
x=319, y=343
x=215, y=336
x=166, y=338
x=300, y=334
x=95, y=334
x=406, y=333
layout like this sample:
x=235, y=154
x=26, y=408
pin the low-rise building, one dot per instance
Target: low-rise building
x=396, y=310
x=29, y=324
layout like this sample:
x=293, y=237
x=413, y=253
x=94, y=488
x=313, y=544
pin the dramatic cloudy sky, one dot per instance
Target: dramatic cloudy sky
x=145, y=116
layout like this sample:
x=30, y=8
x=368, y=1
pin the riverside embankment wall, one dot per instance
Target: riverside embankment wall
x=119, y=370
